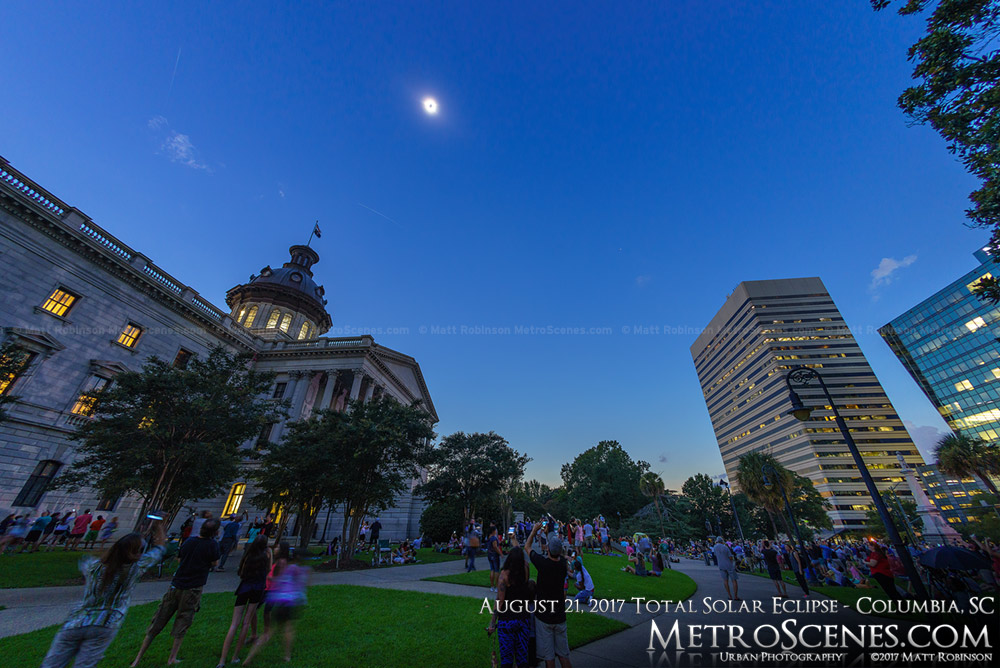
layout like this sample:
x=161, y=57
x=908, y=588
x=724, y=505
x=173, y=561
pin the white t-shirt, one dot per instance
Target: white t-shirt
x=604, y=533
x=583, y=578
x=588, y=530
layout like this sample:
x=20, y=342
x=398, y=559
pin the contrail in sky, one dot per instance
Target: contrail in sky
x=378, y=213
x=174, y=75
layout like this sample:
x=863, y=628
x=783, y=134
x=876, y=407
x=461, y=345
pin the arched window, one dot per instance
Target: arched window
x=286, y=322
x=251, y=315
x=272, y=321
x=239, y=316
x=306, y=331
x=235, y=499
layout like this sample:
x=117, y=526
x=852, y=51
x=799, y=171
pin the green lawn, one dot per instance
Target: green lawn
x=59, y=568
x=40, y=569
x=344, y=625
x=609, y=580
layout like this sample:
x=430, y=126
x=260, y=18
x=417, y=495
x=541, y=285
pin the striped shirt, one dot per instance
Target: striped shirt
x=108, y=607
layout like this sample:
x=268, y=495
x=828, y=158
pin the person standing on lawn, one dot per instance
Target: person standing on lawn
x=726, y=559
x=287, y=596
x=90, y=538
x=253, y=570
x=80, y=525
x=493, y=555
x=109, y=582
x=374, y=530
x=198, y=555
x=230, y=537
x=550, y=615
x=773, y=569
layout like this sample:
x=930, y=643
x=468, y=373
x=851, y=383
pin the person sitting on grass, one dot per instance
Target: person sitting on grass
x=107, y=590
x=287, y=596
x=656, y=563
x=398, y=556
x=584, y=583
x=639, y=567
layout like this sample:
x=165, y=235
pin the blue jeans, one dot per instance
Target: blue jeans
x=584, y=596
x=87, y=644
x=471, y=554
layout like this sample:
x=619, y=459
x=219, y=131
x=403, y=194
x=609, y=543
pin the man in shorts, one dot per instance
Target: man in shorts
x=493, y=554
x=727, y=567
x=198, y=555
x=773, y=569
x=550, y=614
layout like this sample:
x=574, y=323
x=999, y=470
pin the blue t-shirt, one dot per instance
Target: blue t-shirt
x=232, y=530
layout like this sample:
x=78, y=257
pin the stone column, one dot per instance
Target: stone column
x=370, y=392
x=331, y=382
x=356, y=386
x=297, y=396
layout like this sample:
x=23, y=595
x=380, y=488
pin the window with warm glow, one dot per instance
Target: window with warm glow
x=130, y=335
x=251, y=316
x=59, y=302
x=286, y=322
x=304, y=333
x=182, y=359
x=272, y=321
x=963, y=385
x=235, y=499
x=7, y=381
x=84, y=404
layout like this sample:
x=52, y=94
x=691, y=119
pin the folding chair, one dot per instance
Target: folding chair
x=382, y=554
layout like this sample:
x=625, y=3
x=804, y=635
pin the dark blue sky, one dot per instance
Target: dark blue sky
x=594, y=165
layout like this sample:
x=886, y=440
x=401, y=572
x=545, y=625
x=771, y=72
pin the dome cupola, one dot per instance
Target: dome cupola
x=283, y=303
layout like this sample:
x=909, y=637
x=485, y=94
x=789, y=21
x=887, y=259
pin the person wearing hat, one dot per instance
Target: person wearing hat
x=550, y=610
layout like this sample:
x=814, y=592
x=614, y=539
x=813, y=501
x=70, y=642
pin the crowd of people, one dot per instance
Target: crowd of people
x=70, y=530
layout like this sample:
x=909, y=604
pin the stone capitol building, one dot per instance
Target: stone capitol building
x=84, y=306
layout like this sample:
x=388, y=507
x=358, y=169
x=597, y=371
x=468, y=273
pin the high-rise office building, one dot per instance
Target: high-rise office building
x=742, y=357
x=948, y=343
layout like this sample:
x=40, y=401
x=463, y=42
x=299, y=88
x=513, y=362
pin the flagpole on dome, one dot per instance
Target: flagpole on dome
x=316, y=232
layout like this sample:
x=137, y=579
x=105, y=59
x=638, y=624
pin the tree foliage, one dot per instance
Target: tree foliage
x=442, y=518
x=709, y=505
x=874, y=525
x=475, y=468
x=169, y=434
x=651, y=485
x=956, y=65
x=604, y=480
x=12, y=360
x=964, y=456
x=370, y=453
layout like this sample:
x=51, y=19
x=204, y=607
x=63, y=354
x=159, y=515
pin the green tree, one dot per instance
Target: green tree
x=909, y=517
x=651, y=485
x=603, y=480
x=476, y=468
x=956, y=65
x=809, y=506
x=169, y=434
x=766, y=493
x=442, y=518
x=964, y=456
x=530, y=497
x=12, y=361
x=709, y=504
x=378, y=447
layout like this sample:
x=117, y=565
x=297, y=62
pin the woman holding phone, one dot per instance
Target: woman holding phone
x=108, y=586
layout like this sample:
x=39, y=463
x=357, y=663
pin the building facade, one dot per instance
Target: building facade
x=948, y=343
x=958, y=499
x=742, y=357
x=85, y=306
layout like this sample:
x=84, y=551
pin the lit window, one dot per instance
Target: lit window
x=59, y=302
x=84, y=404
x=26, y=357
x=286, y=322
x=235, y=499
x=962, y=386
x=272, y=321
x=304, y=333
x=975, y=323
x=182, y=358
x=251, y=315
x=130, y=335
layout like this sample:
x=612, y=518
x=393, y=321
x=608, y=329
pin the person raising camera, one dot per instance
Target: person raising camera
x=550, y=614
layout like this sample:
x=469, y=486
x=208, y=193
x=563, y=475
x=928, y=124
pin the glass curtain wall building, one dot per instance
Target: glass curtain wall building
x=948, y=343
x=764, y=329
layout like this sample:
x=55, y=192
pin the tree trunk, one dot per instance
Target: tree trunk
x=656, y=502
x=774, y=527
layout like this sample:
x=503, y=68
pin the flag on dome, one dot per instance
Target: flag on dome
x=317, y=232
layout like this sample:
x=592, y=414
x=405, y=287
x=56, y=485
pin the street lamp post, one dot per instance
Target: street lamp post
x=902, y=514
x=723, y=483
x=801, y=376
x=788, y=509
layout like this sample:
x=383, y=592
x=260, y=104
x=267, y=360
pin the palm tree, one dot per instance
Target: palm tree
x=964, y=456
x=651, y=485
x=750, y=478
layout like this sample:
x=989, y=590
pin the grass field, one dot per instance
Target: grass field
x=609, y=580
x=343, y=625
x=60, y=568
